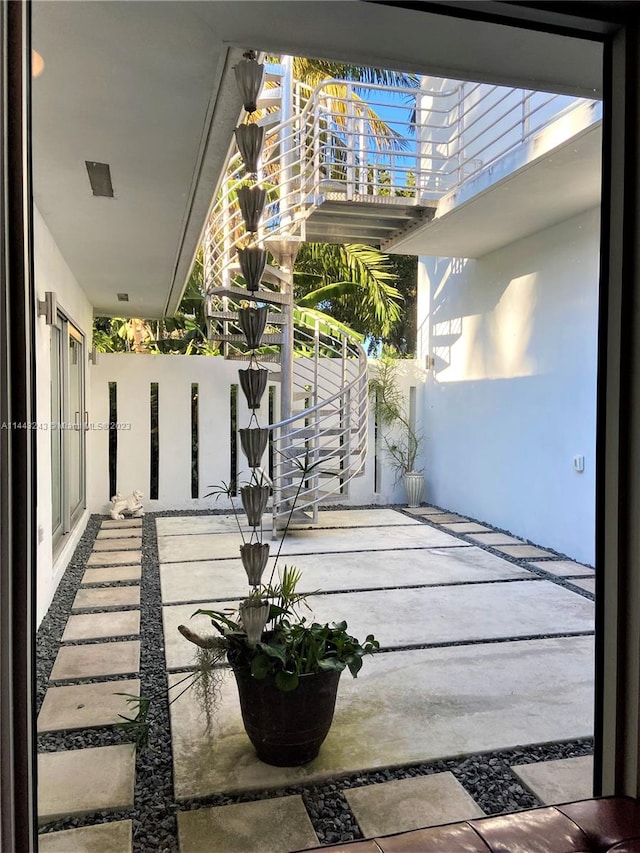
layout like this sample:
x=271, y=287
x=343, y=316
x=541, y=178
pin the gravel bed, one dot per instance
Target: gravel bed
x=487, y=777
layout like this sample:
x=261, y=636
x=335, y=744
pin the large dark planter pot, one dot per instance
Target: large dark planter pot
x=287, y=729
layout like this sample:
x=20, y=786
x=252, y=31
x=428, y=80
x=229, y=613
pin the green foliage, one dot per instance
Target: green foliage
x=352, y=283
x=401, y=441
x=183, y=334
x=290, y=645
x=137, y=726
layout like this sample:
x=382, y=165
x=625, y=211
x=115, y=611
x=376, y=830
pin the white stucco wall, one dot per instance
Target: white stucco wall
x=174, y=374
x=53, y=274
x=511, y=398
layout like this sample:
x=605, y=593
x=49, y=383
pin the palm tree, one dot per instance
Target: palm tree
x=351, y=283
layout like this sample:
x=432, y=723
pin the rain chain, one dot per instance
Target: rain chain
x=254, y=611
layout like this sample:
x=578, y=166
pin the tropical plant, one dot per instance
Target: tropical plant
x=352, y=283
x=270, y=637
x=185, y=333
x=267, y=634
x=401, y=440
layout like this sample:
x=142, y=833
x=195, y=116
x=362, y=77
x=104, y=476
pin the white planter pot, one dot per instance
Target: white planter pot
x=414, y=486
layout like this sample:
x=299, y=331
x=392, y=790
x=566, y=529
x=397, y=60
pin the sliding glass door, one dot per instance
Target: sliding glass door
x=67, y=427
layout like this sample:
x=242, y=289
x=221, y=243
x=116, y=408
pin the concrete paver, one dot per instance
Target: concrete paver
x=447, y=517
x=564, y=568
x=114, y=558
x=113, y=837
x=114, y=596
x=122, y=523
x=130, y=544
x=268, y=826
x=95, y=660
x=93, y=626
x=407, y=804
x=522, y=551
x=588, y=584
x=558, y=781
x=424, y=510
x=465, y=527
x=452, y=704
x=80, y=781
x=86, y=705
x=118, y=533
x=208, y=580
x=425, y=615
x=495, y=539
x=176, y=549
x=179, y=526
x=112, y=574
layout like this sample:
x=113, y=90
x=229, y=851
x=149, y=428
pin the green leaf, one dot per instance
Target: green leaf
x=355, y=665
x=332, y=663
x=260, y=666
x=273, y=650
x=286, y=681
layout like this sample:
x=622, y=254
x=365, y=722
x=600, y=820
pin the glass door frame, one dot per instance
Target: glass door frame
x=70, y=422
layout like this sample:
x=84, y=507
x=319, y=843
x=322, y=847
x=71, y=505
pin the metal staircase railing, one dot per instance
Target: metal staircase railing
x=333, y=173
x=327, y=436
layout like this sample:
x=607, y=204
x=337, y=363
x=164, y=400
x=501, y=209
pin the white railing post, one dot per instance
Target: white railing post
x=287, y=142
x=351, y=138
x=362, y=158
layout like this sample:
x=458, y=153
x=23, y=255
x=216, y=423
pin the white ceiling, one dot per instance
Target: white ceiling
x=147, y=87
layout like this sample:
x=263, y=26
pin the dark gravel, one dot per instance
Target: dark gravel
x=487, y=777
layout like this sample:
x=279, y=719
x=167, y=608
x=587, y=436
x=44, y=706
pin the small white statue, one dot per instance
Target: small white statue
x=130, y=505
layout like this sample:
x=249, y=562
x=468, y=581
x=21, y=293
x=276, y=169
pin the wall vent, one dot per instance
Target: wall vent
x=99, y=178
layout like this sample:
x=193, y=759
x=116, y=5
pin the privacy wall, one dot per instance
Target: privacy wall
x=509, y=405
x=173, y=434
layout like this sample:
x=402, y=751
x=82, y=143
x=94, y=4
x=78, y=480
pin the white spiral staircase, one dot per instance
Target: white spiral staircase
x=320, y=439
x=332, y=175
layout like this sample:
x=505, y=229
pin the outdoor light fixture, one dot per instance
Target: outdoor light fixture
x=37, y=64
x=93, y=356
x=249, y=77
x=249, y=139
x=48, y=308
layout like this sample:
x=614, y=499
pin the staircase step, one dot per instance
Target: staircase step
x=240, y=293
x=270, y=120
x=266, y=358
x=310, y=432
x=269, y=98
x=232, y=316
x=267, y=338
x=271, y=274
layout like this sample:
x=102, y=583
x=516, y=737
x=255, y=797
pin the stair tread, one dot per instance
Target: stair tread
x=267, y=296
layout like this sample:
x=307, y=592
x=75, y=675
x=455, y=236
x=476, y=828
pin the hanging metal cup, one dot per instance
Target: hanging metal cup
x=254, y=502
x=254, y=443
x=252, y=264
x=254, y=616
x=249, y=77
x=253, y=382
x=249, y=139
x=252, y=321
x=251, y=200
x=254, y=559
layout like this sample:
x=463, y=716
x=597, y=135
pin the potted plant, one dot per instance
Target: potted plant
x=401, y=440
x=286, y=666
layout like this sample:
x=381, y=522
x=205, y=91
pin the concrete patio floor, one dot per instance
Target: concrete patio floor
x=483, y=650
x=480, y=653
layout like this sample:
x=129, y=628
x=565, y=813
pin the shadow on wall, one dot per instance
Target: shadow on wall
x=491, y=322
